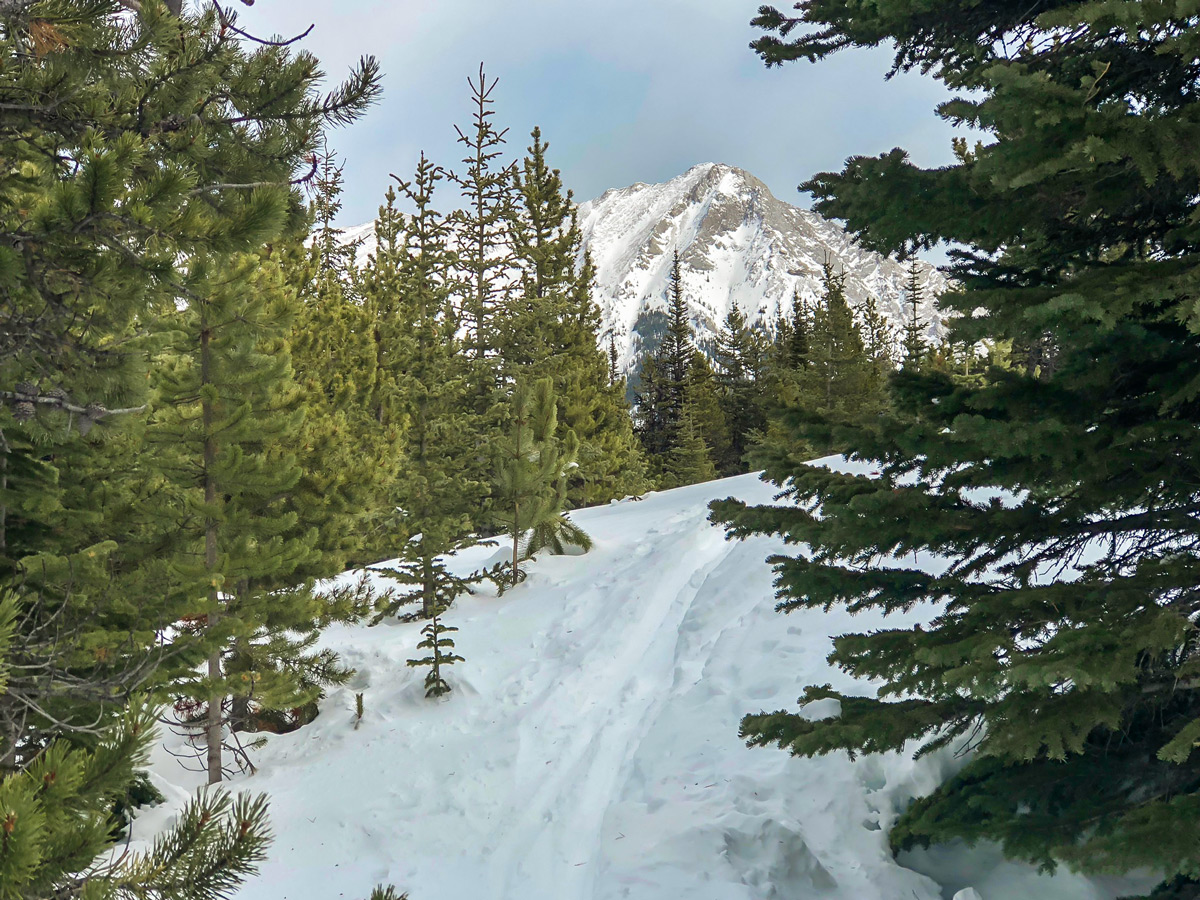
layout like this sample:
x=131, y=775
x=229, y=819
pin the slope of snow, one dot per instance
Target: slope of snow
x=589, y=750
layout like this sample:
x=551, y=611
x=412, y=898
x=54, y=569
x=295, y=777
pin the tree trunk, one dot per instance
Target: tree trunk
x=216, y=699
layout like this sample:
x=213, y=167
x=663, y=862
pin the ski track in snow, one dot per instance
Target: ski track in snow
x=589, y=750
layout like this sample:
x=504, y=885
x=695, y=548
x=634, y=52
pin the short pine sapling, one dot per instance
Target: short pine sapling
x=440, y=653
x=530, y=490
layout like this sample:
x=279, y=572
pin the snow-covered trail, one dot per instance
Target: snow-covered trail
x=589, y=750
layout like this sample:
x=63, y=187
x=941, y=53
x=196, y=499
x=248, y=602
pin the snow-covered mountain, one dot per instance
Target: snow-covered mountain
x=739, y=245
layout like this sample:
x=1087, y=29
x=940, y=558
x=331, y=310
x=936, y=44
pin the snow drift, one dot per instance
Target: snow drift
x=589, y=750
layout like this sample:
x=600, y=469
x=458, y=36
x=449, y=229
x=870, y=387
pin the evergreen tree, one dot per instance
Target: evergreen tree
x=664, y=374
x=531, y=474
x=739, y=361
x=134, y=145
x=675, y=350
x=348, y=458
x=552, y=327
x=1062, y=645
x=440, y=653
x=878, y=346
x=703, y=403
x=689, y=460
x=485, y=260
x=378, y=287
x=800, y=326
x=839, y=384
x=916, y=348
x=227, y=408
x=650, y=406
x=435, y=494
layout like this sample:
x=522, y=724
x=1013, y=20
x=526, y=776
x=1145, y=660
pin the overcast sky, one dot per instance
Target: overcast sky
x=624, y=90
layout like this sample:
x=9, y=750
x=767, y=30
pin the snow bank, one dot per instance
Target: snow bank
x=589, y=750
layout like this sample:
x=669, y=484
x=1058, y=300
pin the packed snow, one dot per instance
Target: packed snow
x=589, y=749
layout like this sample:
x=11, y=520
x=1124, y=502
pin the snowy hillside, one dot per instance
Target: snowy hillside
x=739, y=246
x=589, y=750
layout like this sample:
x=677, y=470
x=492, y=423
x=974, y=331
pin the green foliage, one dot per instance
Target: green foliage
x=914, y=345
x=440, y=653
x=56, y=819
x=531, y=481
x=1060, y=489
x=688, y=460
x=551, y=327
x=147, y=156
x=435, y=495
x=740, y=357
x=348, y=457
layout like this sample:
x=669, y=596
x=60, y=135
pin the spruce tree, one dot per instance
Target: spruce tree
x=1061, y=646
x=665, y=371
x=915, y=347
x=739, y=362
x=703, y=403
x=677, y=347
x=435, y=495
x=440, y=653
x=689, y=460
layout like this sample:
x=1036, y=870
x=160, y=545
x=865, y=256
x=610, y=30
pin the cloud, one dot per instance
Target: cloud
x=624, y=90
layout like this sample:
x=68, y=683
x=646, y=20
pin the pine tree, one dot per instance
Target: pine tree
x=531, y=473
x=119, y=175
x=1062, y=646
x=227, y=408
x=348, y=458
x=703, y=403
x=440, y=653
x=689, y=460
x=552, y=327
x=916, y=348
x=378, y=287
x=436, y=495
x=485, y=259
x=739, y=362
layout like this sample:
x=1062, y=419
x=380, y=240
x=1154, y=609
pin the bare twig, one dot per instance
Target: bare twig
x=227, y=22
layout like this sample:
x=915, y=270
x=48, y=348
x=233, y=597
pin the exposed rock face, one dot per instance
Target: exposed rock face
x=738, y=245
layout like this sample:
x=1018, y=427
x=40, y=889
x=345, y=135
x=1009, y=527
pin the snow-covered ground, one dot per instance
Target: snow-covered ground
x=589, y=750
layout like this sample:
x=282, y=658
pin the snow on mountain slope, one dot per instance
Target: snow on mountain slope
x=738, y=245
x=589, y=750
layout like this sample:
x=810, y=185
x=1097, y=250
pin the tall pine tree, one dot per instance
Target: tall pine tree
x=436, y=496
x=552, y=328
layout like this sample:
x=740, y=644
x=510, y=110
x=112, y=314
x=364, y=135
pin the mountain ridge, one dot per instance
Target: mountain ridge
x=739, y=246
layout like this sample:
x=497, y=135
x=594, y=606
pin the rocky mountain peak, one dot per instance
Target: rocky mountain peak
x=738, y=245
